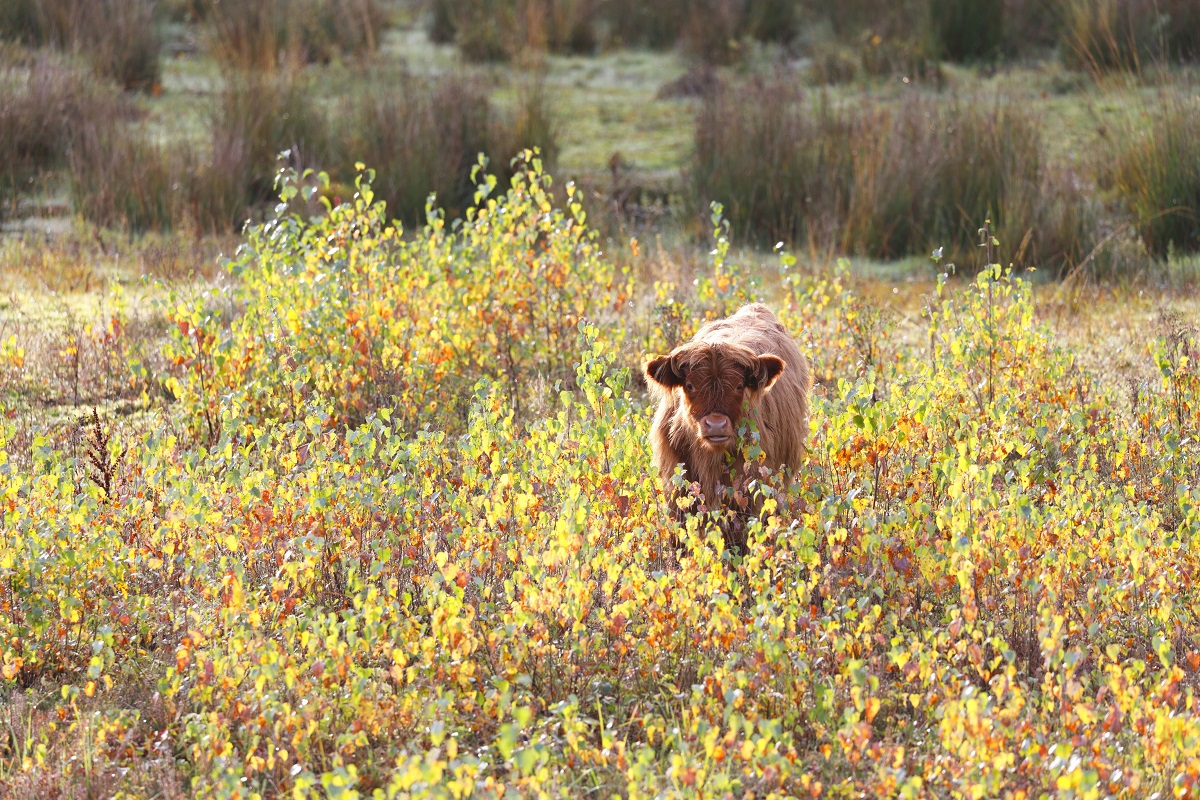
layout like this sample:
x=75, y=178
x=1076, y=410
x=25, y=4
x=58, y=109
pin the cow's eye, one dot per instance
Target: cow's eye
x=741, y=386
x=689, y=388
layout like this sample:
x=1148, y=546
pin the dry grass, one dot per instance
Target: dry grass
x=424, y=138
x=122, y=179
x=1129, y=35
x=118, y=37
x=263, y=35
x=47, y=99
x=1155, y=170
x=887, y=181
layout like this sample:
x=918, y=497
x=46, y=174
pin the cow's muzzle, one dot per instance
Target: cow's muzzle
x=716, y=430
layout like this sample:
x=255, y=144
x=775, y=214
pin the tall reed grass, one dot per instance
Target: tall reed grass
x=120, y=178
x=424, y=138
x=46, y=98
x=1155, y=170
x=1129, y=35
x=119, y=38
x=264, y=35
x=886, y=181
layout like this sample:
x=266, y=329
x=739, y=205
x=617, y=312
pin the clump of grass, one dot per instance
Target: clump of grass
x=46, y=99
x=632, y=23
x=118, y=37
x=1129, y=35
x=256, y=117
x=833, y=64
x=500, y=30
x=1031, y=26
x=422, y=138
x=419, y=139
x=928, y=173
x=561, y=26
x=777, y=159
x=19, y=21
x=711, y=31
x=528, y=122
x=885, y=182
x=1155, y=170
x=269, y=34
x=968, y=30
x=122, y=179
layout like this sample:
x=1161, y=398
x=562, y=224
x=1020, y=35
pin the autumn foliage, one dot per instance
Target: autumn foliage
x=399, y=536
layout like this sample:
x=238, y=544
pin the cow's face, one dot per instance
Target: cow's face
x=715, y=380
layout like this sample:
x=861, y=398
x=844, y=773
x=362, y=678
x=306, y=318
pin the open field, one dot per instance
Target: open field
x=333, y=506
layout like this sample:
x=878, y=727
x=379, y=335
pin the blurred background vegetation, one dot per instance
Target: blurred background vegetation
x=877, y=130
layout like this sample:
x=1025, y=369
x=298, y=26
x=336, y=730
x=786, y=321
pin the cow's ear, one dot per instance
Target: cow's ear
x=766, y=369
x=665, y=372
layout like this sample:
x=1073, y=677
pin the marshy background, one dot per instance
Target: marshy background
x=254, y=435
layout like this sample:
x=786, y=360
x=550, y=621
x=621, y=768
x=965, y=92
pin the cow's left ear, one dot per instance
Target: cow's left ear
x=663, y=372
x=765, y=371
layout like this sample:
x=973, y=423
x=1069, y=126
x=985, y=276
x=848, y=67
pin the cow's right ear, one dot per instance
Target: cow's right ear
x=662, y=371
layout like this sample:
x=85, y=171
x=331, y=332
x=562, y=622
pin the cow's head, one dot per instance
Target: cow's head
x=715, y=380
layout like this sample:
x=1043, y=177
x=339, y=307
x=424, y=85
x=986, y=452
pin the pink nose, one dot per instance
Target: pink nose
x=715, y=426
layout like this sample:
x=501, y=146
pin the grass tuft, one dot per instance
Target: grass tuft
x=118, y=37
x=886, y=181
x=1156, y=173
x=121, y=179
x=1129, y=35
x=256, y=117
x=424, y=138
x=265, y=35
x=47, y=97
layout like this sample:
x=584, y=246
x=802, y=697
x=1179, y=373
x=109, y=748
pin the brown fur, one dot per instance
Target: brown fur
x=747, y=362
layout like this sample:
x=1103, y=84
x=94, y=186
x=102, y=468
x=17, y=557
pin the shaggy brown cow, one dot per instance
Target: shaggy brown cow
x=747, y=361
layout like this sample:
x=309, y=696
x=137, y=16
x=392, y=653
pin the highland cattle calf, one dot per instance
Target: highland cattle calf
x=745, y=365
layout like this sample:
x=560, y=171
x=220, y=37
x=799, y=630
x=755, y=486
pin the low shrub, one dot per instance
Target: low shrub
x=423, y=137
x=1154, y=167
x=1129, y=35
x=385, y=572
x=267, y=34
x=410, y=323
